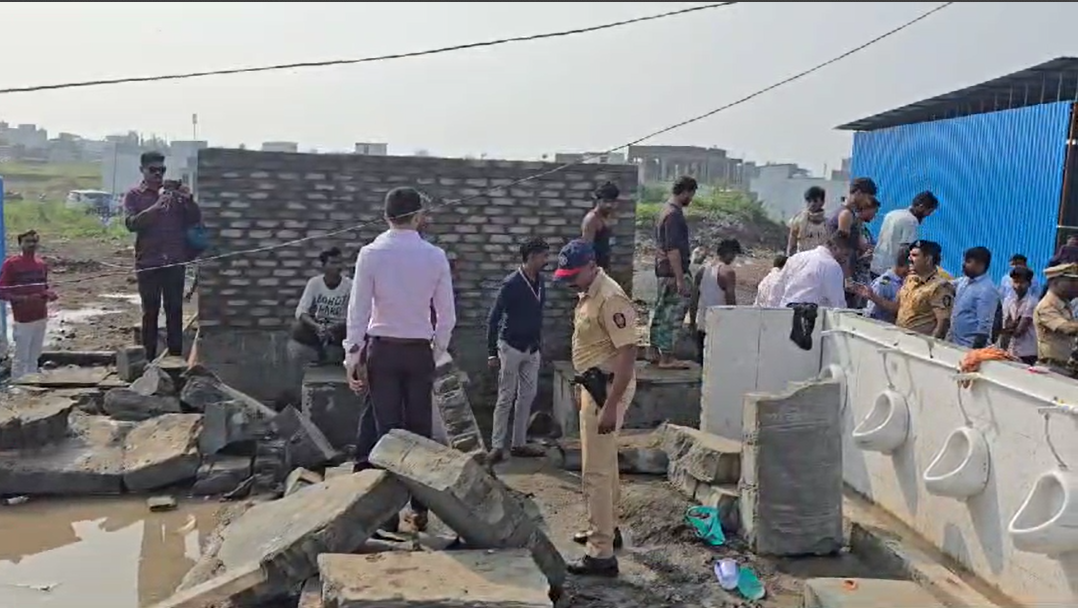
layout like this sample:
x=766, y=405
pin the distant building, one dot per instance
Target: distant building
x=280, y=146
x=593, y=158
x=780, y=188
x=709, y=166
x=372, y=149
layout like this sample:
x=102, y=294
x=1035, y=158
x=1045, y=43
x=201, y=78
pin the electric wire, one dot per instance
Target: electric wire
x=373, y=59
x=491, y=191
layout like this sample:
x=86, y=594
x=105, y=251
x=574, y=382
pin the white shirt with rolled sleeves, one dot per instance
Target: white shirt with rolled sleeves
x=899, y=227
x=398, y=277
x=812, y=277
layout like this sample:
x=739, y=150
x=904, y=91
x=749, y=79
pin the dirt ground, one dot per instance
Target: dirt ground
x=663, y=565
x=98, y=302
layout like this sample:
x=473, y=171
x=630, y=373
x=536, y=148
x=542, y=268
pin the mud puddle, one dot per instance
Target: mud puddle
x=98, y=552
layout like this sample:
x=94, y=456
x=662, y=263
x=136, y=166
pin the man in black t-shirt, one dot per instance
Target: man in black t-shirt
x=672, y=273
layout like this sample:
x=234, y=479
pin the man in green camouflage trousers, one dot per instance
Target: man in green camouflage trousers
x=672, y=260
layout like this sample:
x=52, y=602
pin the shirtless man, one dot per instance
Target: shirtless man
x=595, y=228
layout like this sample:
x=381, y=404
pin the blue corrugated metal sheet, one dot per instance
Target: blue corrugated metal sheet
x=998, y=177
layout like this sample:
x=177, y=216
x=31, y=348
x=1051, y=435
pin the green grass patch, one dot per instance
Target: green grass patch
x=56, y=222
x=706, y=205
x=53, y=180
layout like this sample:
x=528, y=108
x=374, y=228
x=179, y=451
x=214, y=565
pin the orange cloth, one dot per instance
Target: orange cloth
x=974, y=358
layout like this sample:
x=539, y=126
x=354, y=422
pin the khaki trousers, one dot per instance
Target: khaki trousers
x=599, y=473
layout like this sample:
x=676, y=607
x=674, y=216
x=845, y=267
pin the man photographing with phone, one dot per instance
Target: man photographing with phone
x=160, y=212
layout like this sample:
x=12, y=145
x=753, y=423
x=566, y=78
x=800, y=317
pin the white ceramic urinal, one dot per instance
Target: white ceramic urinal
x=1047, y=522
x=961, y=468
x=834, y=372
x=886, y=427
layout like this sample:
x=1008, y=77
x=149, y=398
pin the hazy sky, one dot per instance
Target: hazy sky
x=592, y=91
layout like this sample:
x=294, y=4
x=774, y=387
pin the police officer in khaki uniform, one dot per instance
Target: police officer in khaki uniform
x=925, y=300
x=1055, y=323
x=604, y=358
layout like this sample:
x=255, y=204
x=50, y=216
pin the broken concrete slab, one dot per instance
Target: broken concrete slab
x=345, y=468
x=81, y=358
x=708, y=458
x=200, y=391
x=489, y=579
x=157, y=504
x=218, y=591
x=271, y=464
x=161, y=451
x=638, y=454
x=131, y=406
x=65, y=377
x=466, y=497
x=307, y=446
x=311, y=594
x=865, y=593
x=130, y=362
x=286, y=536
x=450, y=398
x=331, y=404
x=88, y=462
x=154, y=381
x=300, y=478
x=34, y=421
x=791, y=485
x=221, y=474
x=227, y=423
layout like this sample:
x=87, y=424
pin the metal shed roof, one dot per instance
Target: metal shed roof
x=1055, y=80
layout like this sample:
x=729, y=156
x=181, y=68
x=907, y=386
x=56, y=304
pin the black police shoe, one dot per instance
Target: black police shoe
x=581, y=538
x=594, y=566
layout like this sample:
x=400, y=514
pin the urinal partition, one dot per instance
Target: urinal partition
x=962, y=466
x=1047, y=521
x=887, y=425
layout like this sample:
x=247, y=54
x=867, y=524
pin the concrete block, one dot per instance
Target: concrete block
x=161, y=451
x=481, y=579
x=485, y=512
x=271, y=463
x=130, y=363
x=311, y=594
x=707, y=458
x=199, y=391
x=724, y=499
x=128, y=405
x=331, y=404
x=286, y=536
x=341, y=469
x=865, y=593
x=221, y=474
x=34, y=421
x=307, y=446
x=300, y=478
x=154, y=381
x=227, y=423
x=88, y=462
x=791, y=489
x=450, y=398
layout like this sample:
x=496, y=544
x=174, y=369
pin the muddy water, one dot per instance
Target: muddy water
x=101, y=552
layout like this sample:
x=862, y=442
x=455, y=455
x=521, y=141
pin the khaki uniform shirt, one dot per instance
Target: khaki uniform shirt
x=604, y=322
x=1056, y=330
x=919, y=299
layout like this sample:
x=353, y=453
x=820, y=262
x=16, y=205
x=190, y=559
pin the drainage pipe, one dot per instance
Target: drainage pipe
x=1054, y=403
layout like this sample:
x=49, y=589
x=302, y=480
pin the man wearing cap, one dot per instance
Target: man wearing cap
x=925, y=301
x=1055, y=323
x=393, y=339
x=604, y=358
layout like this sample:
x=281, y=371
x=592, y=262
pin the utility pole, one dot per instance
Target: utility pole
x=194, y=127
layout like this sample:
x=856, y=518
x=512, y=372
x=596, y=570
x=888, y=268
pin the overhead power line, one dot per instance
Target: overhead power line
x=334, y=62
x=490, y=191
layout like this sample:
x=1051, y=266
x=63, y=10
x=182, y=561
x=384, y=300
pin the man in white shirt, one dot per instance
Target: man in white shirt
x=900, y=227
x=815, y=276
x=323, y=307
x=1019, y=336
x=766, y=297
x=393, y=339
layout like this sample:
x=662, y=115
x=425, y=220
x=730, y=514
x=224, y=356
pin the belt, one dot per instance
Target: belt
x=390, y=340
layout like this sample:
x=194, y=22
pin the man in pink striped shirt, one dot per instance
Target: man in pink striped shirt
x=392, y=338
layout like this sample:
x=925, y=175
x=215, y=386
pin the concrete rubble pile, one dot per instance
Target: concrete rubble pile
x=316, y=543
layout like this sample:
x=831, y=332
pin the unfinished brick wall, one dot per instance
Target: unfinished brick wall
x=262, y=199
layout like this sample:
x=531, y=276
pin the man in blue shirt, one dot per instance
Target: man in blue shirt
x=976, y=300
x=514, y=332
x=888, y=284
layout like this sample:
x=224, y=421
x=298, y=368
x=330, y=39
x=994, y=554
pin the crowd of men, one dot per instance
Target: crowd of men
x=834, y=262
x=392, y=321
